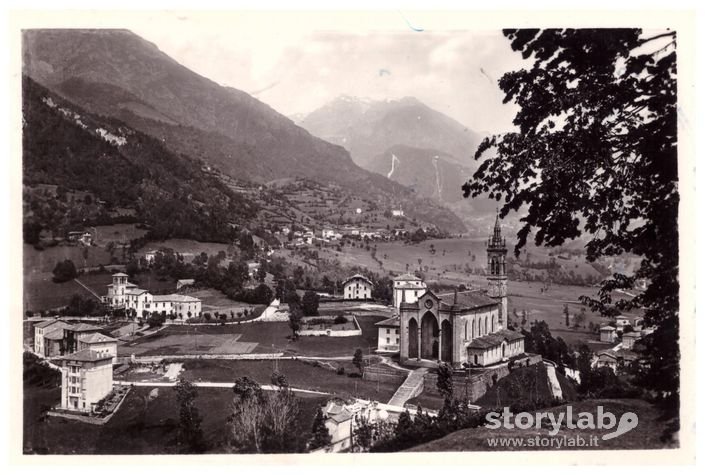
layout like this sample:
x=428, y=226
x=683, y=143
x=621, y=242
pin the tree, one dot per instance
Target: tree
x=596, y=153
x=357, y=360
x=566, y=313
x=362, y=433
x=309, y=303
x=295, y=315
x=444, y=382
x=190, y=435
x=64, y=271
x=320, y=437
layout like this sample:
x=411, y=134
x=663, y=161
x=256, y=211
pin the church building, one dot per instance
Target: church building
x=462, y=328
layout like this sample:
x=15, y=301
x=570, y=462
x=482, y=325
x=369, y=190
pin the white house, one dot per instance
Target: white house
x=343, y=418
x=608, y=334
x=184, y=283
x=407, y=288
x=86, y=378
x=628, y=339
x=102, y=345
x=388, y=334
x=123, y=294
x=357, y=287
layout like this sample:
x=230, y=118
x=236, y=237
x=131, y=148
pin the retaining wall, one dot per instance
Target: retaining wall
x=384, y=375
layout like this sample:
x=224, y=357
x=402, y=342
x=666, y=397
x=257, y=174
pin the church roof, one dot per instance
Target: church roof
x=494, y=339
x=467, y=299
x=120, y=274
x=406, y=277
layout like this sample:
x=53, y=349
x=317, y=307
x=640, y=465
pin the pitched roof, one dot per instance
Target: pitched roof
x=494, y=339
x=135, y=291
x=406, y=277
x=85, y=355
x=57, y=334
x=468, y=299
x=46, y=323
x=120, y=274
x=357, y=276
x=607, y=327
x=96, y=338
x=389, y=322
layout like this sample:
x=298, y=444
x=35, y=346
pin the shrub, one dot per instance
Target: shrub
x=340, y=319
x=340, y=370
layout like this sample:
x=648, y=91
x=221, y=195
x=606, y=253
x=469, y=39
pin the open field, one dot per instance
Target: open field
x=213, y=300
x=256, y=337
x=643, y=437
x=191, y=344
x=299, y=375
x=141, y=426
x=186, y=246
x=116, y=233
x=44, y=261
x=41, y=293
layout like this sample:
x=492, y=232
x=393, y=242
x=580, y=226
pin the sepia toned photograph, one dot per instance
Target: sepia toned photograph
x=300, y=233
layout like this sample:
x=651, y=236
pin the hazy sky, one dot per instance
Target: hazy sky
x=296, y=66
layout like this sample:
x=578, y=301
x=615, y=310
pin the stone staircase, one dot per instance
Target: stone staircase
x=411, y=387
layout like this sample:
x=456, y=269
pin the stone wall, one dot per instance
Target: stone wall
x=384, y=375
x=475, y=385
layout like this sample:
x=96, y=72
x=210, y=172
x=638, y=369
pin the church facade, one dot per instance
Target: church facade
x=462, y=328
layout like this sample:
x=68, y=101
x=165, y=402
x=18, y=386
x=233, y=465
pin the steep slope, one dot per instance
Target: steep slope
x=367, y=128
x=66, y=146
x=428, y=172
x=118, y=74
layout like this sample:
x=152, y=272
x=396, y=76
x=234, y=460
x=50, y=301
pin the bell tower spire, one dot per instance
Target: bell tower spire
x=497, y=270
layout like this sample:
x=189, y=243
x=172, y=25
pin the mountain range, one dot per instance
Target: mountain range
x=408, y=142
x=117, y=74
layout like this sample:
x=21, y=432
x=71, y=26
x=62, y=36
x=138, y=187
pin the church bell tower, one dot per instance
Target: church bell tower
x=497, y=270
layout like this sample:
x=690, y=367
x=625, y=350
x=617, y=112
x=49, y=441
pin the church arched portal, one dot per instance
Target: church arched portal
x=446, y=341
x=429, y=335
x=413, y=338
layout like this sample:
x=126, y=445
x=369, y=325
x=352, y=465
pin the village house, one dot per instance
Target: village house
x=357, y=287
x=82, y=237
x=388, y=334
x=184, y=283
x=86, y=378
x=342, y=420
x=407, y=288
x=621, y=322
x=125, y=295
x=608, y=334
x=44, y=329
x=628, y=339
x=101, y=344
x=74, y=332
x=617, y=360
x=462, y=328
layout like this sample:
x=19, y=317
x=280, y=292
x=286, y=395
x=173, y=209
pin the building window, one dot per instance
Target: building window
x=387, y=340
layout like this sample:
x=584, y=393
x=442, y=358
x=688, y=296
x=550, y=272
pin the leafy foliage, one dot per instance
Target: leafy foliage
x=64, y=271
x=190, y=435
x=596, y=152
